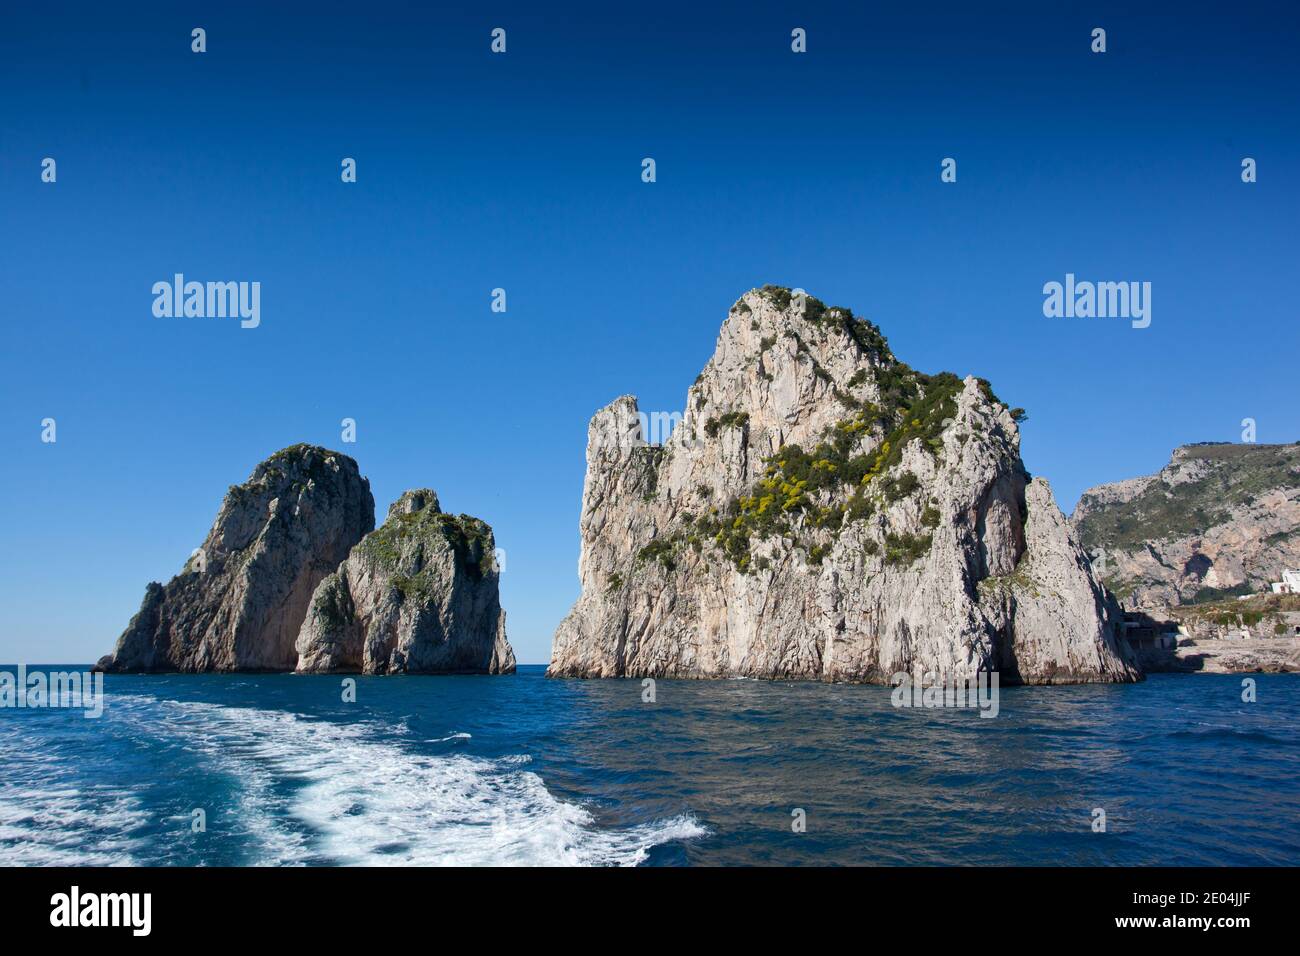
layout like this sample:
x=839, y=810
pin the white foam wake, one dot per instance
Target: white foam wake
x=47, y=820
x=361, y=799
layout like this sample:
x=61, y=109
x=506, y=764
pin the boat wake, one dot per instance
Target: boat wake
x=316, y=792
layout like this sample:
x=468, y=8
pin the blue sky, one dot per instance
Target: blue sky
x=522, y=171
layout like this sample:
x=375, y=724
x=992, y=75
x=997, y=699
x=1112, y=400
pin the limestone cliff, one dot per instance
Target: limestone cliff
x=823, y=511
x=417, y=595
x=1218, y=520
x=240, y=600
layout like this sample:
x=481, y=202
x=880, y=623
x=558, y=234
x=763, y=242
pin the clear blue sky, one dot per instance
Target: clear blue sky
x=523, y=171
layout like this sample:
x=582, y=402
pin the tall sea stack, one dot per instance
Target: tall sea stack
x=241, y=598
x=416, y=596
x=823, y=511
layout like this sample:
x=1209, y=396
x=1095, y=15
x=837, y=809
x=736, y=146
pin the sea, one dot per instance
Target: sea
x=523, y=770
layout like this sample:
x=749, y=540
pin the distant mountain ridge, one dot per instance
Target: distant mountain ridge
x=1219, y=519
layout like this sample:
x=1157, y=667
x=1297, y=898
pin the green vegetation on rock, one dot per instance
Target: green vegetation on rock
x=1018, y=580
x=904, y=549
x=395, y=540
x=664, y=550
x=730, y=420
x=833, y=484
x=851, y=472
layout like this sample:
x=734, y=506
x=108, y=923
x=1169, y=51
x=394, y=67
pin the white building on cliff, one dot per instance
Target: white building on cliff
x=1290, y=583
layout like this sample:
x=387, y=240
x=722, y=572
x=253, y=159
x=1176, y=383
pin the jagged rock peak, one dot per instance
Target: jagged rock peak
x=825, y=511
x=240, y=599
x=417, y=499
x=417, y=595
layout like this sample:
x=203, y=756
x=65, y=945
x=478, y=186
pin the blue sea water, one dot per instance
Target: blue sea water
x=526, y=770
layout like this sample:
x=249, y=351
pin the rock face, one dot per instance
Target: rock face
x=417, y=595
x=240, y=600
x=1219, y=519
x=822, y=511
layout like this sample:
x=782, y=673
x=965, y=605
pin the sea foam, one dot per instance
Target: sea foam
x=363, y=799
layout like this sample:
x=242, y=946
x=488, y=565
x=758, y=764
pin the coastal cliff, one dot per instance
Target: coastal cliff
x=823, y=511
x=239, y=602
x=1219, y=520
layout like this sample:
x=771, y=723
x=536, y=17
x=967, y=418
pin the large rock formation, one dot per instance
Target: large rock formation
x=824, y=511
x=417, y=595
x=1218, y=520
x=240, y=600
